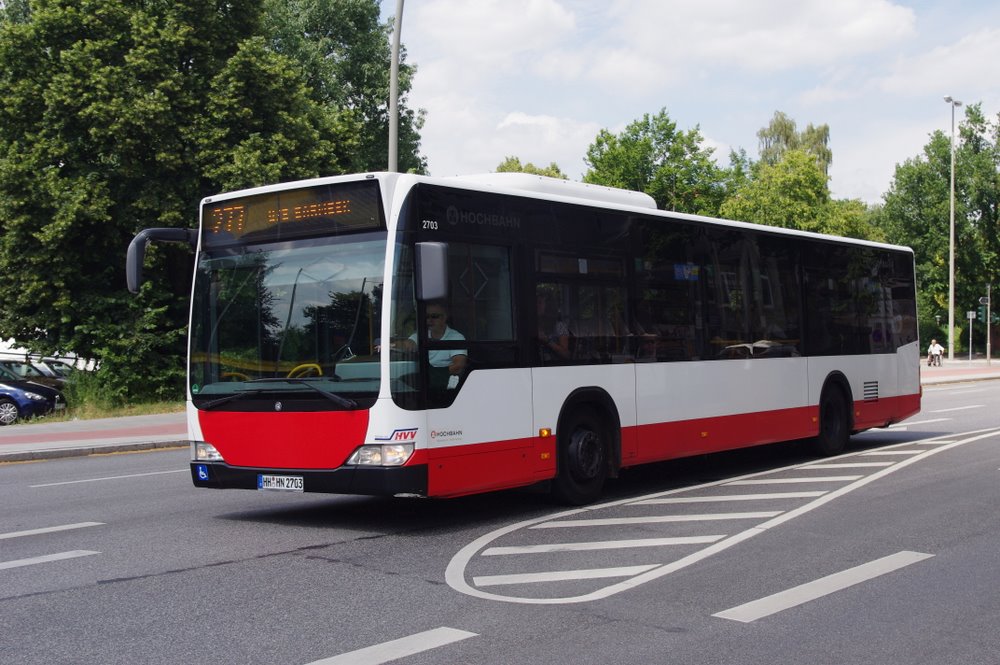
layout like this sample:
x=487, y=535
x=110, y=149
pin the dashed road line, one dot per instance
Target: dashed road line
x=958, y=408
x=824, y=586
x=48, y=529
x=47, y=558
x=94, y=480
x=916, y=422
x=395, y=649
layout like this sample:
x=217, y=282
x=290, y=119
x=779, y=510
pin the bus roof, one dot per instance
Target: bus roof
x=560, y=187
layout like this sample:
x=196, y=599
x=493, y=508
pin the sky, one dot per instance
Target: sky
x=538, y=79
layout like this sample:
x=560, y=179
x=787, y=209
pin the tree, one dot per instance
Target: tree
x=345, y=54
x=781, y=136
x=651, y=155
x=513, y=165
x=916, y=212
x=792, y=194
x=119, y=116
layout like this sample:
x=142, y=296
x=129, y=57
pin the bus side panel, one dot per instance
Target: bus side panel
x=688, y=408
x=683, y=438
x=878, y=397
x=483, y=441
x=552, y=386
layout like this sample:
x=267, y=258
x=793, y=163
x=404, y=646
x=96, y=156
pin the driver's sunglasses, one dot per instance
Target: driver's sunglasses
x=434, y=315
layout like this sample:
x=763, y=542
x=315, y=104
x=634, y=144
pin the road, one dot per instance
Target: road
x=888, y=554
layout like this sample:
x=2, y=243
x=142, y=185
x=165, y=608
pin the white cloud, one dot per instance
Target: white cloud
x=968, y=64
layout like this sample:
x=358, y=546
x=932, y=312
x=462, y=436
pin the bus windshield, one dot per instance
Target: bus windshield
x=289, y=321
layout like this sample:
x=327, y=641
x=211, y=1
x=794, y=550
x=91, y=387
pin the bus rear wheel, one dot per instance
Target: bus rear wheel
x=582, y=458
x=834, y=422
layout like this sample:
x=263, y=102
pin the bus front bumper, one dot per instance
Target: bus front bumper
x=379, y=481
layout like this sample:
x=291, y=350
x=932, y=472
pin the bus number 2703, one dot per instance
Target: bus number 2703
x=430, y=224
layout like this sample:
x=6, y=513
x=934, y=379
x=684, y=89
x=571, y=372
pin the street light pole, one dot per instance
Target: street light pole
x=394, y=91
x=951, y=237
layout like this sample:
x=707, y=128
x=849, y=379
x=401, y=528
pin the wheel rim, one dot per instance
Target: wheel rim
x=586, y=454
x=8, y=413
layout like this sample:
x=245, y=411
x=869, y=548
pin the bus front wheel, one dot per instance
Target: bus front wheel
x=582, y=458
x=834, y=422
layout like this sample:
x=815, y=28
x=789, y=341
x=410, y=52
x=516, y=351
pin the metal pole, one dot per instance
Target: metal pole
x=989, y=304
x=951, y=237
x=394, y=91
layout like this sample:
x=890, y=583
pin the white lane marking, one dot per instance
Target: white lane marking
x=94, y=480
x=17, y=563
x=657, y=519
x=723, y=498
x=601, y=545
x=934, y=442
x=892, y=453
x=48, y=529
x=916, y=422
x=395, y=649
x=824, y=586
x=455, y=572
x=794, y=481
x=958, y=408
x=851, y=465
x=561, y=575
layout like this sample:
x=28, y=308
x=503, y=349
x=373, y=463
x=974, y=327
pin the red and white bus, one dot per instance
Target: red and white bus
x=595, y=333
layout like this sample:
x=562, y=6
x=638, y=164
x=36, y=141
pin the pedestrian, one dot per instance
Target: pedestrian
x=934, y=353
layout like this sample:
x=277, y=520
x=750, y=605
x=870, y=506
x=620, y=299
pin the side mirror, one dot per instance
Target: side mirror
x=137, y=250
x=432, y=270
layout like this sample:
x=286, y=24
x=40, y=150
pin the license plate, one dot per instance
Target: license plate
x=280, y=483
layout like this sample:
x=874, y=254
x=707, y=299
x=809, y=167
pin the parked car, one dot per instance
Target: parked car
x=25, y=399
x=28, y=372
x=60, y=367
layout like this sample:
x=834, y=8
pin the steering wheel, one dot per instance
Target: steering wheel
x=305, y=369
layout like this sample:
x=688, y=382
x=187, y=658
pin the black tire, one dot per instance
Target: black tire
x=9, y=413
x=834, y=422
x=582, y=457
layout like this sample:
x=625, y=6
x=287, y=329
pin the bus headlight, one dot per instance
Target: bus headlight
x=390, y=454
x=206, y=452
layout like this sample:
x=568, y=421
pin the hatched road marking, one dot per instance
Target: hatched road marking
x=655, y=540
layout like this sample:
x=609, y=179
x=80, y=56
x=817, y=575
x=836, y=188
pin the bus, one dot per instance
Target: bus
x=404, y=335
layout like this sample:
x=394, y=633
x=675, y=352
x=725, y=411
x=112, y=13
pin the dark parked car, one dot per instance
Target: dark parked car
x=28, y=372
x=24, y=399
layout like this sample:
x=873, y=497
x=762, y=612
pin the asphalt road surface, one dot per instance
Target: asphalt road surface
x=887, y=554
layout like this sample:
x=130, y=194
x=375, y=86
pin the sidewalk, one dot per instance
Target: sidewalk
x=38, y=441
x=957, y=370
x=43, y=440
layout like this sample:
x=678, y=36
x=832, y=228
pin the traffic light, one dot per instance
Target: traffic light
x=981, y=313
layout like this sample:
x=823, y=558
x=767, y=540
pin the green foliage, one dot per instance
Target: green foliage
x=916, y=212
x=651, y=155
x=345, y=55
x=120, y=116
x=513, y=165
x=781, y=136
x=792, y=194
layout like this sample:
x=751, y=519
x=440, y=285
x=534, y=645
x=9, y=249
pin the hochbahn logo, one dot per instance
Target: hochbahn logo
x=400, y=435
x=458, y=216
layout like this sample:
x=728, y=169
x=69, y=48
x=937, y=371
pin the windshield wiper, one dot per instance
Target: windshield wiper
x=336, y=399
x=208, y=406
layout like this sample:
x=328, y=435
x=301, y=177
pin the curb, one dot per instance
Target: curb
x=86, y=451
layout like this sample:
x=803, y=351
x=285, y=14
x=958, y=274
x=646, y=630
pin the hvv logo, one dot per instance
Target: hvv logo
x=400, y=435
